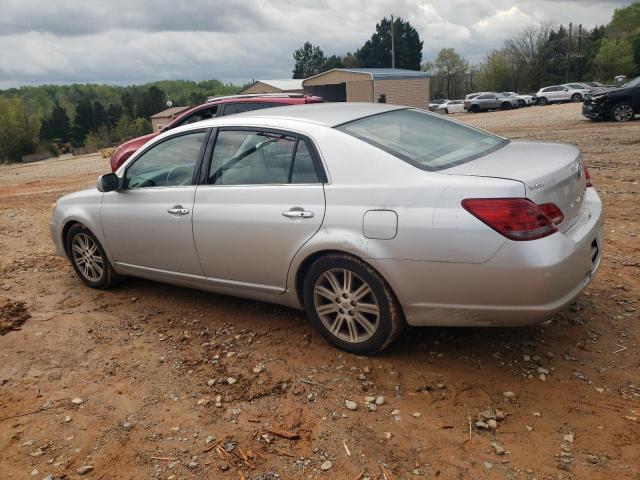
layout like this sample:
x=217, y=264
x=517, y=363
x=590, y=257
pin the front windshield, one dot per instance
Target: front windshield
x=633, y=83
x=427, y=141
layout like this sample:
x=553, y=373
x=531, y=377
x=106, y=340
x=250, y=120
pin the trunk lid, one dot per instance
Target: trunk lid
x=549, y=172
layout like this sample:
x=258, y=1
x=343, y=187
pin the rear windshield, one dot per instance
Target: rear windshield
x=426, y=140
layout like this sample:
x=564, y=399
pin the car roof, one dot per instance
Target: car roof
x=328, y=114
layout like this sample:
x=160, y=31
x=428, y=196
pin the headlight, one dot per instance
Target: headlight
x=600, y=99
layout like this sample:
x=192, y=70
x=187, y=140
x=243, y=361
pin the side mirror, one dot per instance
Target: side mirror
x=108, y=182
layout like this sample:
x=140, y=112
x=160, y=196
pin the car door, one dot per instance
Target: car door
x=147, y=223
x=262, y=199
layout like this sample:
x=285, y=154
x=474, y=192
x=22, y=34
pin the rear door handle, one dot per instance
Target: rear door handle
x=297, y=213
x=178, y=210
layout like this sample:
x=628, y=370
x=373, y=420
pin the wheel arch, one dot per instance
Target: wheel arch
x=305, y=264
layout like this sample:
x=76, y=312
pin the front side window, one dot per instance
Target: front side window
x=425, y=140
x=242, y=157
x=167, y=164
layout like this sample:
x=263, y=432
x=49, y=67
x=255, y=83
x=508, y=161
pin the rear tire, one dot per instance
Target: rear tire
x=576, y=97
x=89, y=259
x=475, y=109
x=542, y=101
x=351, y=304
x=622, y=112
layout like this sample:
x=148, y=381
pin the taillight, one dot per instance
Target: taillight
x=587, y=177
x=516, y=218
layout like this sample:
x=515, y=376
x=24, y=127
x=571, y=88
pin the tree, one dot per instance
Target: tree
x=310, y=60
x=128, y=104
x=350, y=60
x=334, y=61
x=376, y=52
x=451, y=67
x=19, y=129
x=114, y=112
x=83, y=122
x=99, y=116
x=152, y=102
x=615, y=57
x=56, y=126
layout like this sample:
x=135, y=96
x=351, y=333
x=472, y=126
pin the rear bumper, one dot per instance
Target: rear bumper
x=524, y=283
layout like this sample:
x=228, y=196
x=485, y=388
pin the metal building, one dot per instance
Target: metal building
x=378, y=85
x=288, y=85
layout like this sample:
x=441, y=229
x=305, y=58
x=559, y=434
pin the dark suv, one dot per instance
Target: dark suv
x=620, y=104
x=216, y=107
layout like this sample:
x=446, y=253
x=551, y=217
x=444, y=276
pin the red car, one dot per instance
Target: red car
x=217, y=107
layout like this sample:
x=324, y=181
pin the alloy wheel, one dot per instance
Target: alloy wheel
x=87, y=257
x=346, y=305
x=623, y=113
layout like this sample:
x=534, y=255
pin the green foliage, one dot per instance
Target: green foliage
x=448, y=73
x=56, y=126
x=615, y=57
x=101, y=114
x=310, y=60
x=376, y=52
x=83, y=122
x=19, y=129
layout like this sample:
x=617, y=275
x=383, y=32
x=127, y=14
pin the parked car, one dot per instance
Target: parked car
x=453, y=106
x=560, y=93
x=437, y=102
x=368, y=216
x=595, y=84
x=620, y=104
x=217, y=107
x=527, y=100
x=490, y=101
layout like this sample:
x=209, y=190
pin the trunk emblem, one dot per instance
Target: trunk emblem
x=536, y=186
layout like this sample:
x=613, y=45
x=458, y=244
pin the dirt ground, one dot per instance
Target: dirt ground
x=154, y=381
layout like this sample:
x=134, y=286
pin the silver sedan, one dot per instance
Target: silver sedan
x=369, y=217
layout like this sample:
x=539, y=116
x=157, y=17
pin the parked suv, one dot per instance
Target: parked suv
x=620, y=104
x=561, y=93
x=490, y=101
x=216, y=107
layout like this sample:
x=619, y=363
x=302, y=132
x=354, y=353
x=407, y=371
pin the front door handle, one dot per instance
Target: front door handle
x=178, y=210
x=297, y=212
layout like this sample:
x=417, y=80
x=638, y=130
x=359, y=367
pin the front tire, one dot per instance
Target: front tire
x=506, y=106
x=89, y=259
x=351, y=304
x=622, y=112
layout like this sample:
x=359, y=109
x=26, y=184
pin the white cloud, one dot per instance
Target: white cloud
x=132, y=41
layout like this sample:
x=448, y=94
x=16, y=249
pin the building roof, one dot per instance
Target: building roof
x=381, y=73
x=284, y=84
x=169, y=112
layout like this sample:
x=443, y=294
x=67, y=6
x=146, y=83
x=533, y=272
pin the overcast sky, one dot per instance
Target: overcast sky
x=136, y=41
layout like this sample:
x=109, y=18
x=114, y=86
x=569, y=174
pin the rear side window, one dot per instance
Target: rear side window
x=231, y=108
x=242, y=157
x=204, y=114
x=425, y=140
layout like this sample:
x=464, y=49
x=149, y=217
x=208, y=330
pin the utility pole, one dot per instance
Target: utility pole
x=568, y=72
x=579, y=52
x=393, y=46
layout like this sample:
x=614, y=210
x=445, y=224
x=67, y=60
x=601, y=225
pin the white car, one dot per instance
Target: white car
x=453, y=106
x=368, y=216
x=561, y=93
x=528, y=99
